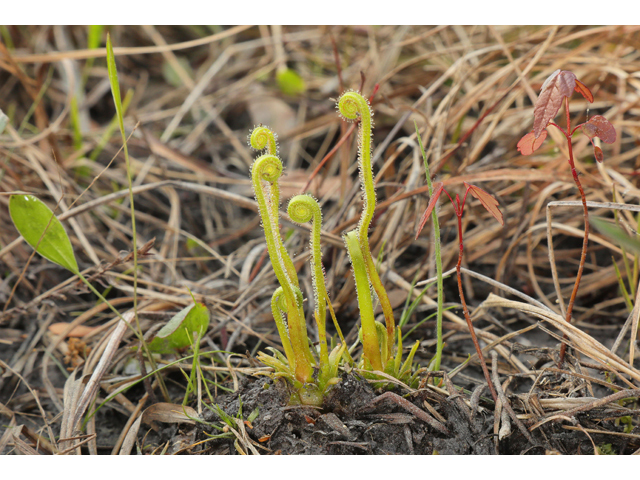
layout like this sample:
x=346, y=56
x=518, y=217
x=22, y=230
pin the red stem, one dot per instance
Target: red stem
x=585, y=241
x=459, y=210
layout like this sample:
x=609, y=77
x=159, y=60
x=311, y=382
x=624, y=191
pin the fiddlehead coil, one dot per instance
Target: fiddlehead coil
x=262, y=137
x=302, y=209
x=352, y=105
x=268, y=168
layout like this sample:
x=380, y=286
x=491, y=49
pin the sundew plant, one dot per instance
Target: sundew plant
x=313, y=371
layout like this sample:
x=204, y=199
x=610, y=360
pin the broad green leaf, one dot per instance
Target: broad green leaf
x=290, y=82
x=3, y=121
x=42, y=230
x=616, y=234
x=178, y=333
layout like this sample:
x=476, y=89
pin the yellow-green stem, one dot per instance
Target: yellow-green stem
x=350, y=105
x=269, y=168
x=262, y=138
x=282, y=327
x=370, y=342
x=302, y=209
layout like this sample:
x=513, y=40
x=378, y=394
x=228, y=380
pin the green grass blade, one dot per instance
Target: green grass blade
x=117, y=100
x=94, y=36
x=407, y=312
x=111, y=128
x=616, y=234
x=623, y=288
x=115, y=90
x=437, y=247
x=74, y=117
x=625, y=260
x=4, y=120
x=424, y=320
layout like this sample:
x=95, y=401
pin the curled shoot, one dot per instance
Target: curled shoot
x=302, y=209
x=352, y=105
x=262, y=138
x=268, y=168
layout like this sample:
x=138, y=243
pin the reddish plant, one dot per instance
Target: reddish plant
x=555, y=92
x=491, y=204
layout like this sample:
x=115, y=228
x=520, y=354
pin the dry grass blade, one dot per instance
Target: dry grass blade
x=130, y=439
x=582, y=341
x=103, y=365
x=159, y=412
x=34, y=394
x=102, y=52
x=549, y=216
x=20, y=444
x=8, y=434
x=505, y=401
x=170, y=413
x=602, y=401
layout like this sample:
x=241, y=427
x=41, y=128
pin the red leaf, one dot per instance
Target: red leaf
x=597, y=151
x=487, y=201
x=529, y=143
x=437, y=190
x=560, y=84
x=584, y=91
x=600, y=127
x=589, y=130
